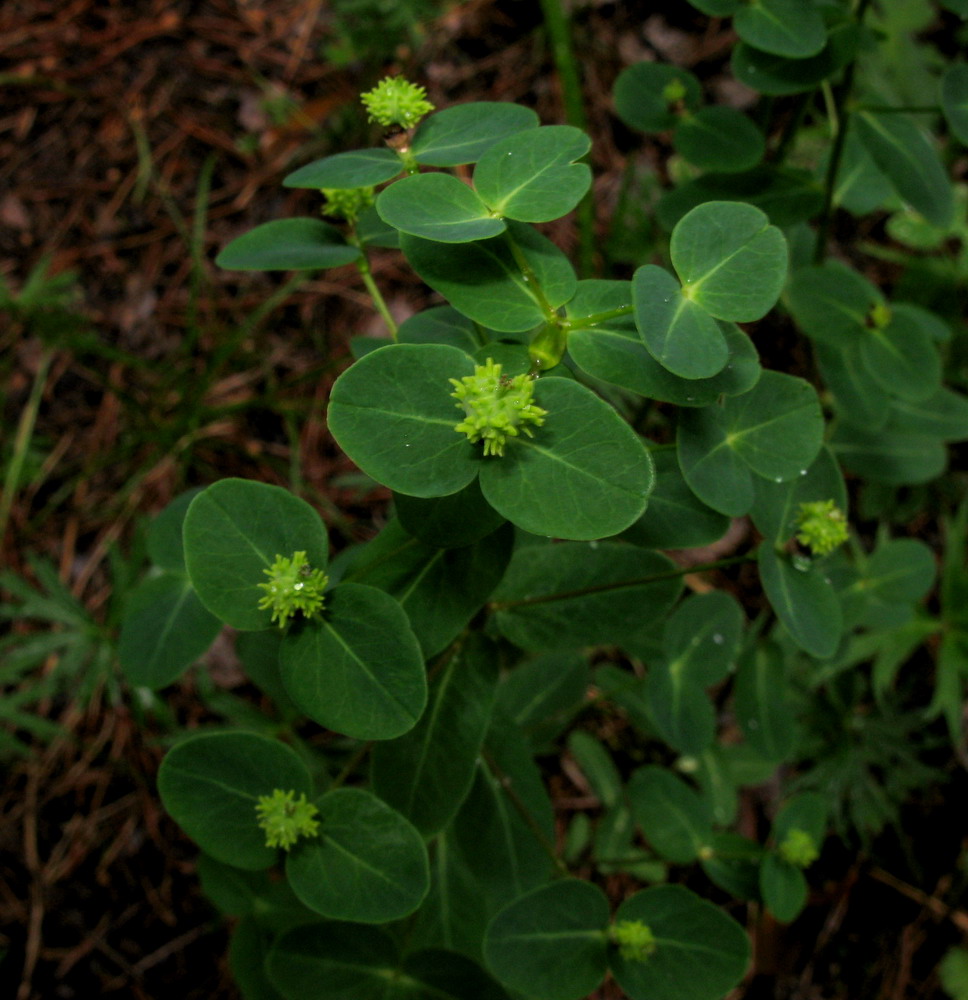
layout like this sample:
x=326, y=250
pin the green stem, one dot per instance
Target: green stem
x=559, y=33
x=840, y=122
x=792, y=128
x=363, y=266
x=530, y=278
x=603, y=317
x=25, y=432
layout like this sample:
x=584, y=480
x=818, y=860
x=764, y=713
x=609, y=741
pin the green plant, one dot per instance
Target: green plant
x=526, y=562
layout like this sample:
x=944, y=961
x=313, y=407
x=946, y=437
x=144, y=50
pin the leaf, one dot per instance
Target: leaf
x=702, y=635
x=734, y=865
x=165, y=629
x=551, y=942
x=366, y=864
x=234, y=530
x=210, y=784
x=437, y=207
x=641, y=95
x=832, y=303
x=613, y=351
x=909, y=161
x=858, y=398
x=532, y=176
x=730, y=260
x=719, y=138
x=598, y=767
x=288, y=245
x=674, y=817
x=542, y=695
x=762, y=708
x=889, y=456
x=356, y=168
x=575, y=594
x=453, y=521
x=501, y=297
x=954, y=100
x=792, y=28
x=860, y=187
x=464, y=132
x=717, y=8
x=902, y=358
x=680, y=708
x=675, y=518
x=440, y=325
x=700, y=954
x=427, y=773
x=783, y=887
x=953, y=971
x=392, y=412
x=786, y=194
x=359, y=669
x=804, y=600
x=439, y=589
x=678, y=333
x=585, y=474
x=711, y=468
x=164, y=540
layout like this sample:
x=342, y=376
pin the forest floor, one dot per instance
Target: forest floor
x=136, y=139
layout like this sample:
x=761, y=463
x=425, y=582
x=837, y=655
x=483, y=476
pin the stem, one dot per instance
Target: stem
x=792, y=128
x=840, y=122
x=25, y=431
x=363, y=266
x=530, y=278
x=603, y=317
x=559, y=33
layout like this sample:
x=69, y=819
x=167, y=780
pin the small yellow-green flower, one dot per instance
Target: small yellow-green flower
x=496, y=406
x=396, y=101
x=293, y=586
x=347, y=203
x=821, y=526
x=285, y=818
x=798, y=848
x=635, y=940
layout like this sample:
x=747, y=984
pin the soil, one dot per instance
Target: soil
x=136, y=139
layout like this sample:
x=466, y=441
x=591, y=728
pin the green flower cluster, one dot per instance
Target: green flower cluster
x=285, y=818
x=822, y=526
x=635, y=940
x=347, y=203
x=798, y=848
x=293, y=586
x=396, y=101
x=496, y=406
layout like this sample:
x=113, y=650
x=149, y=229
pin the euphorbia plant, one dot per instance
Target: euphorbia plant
x=526, y=562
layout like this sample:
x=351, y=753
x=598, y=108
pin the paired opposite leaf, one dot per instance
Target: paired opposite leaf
x=464, y=132
x=288, y=245
x=437, y=207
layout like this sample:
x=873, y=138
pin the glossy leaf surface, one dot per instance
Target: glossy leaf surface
x=288, y=245
x=792, y=28
x=437, y=207
x=464, y=132
x=354, y=169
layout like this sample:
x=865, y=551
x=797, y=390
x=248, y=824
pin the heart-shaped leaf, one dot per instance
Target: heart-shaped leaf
x=437, y=207
x=792, y=28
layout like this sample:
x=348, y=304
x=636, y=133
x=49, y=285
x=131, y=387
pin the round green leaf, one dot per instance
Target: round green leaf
x=165, y=629
x=702, y=635
x=681, y=710
x=909, y=161
x=783, y=887
x=779, y=76
x=792, y=28
x=500, y=296
x=165, y=547
x=700, y=953
x=572, y=595
x=393, y=414
x=373, y=231
x=902, y=358
x=676, y=819
x=761, y=704
x=679, y=334
x=735, y=865
x=730, y=260
x=551, y=942
x=464, y=132
x=860, y=188
x=440, y=325
x=642, y=98
x=858, y=398
x=211, y=784
x=777, y=427
x=832, y=303
x=437, y=207
x=532, y=176
x=359, y=669
x=804, y=600
x=719, y=138
x=366, y=864
x=807, y=812
x=454, y=521
x=354, y=169
x=954, y=100
x=943, y=415
x=333, y=961
x=675, y=518
x=427, y=773
x=711, y=468
x=891, y=456
x=233, y=532
x=585, y=473
x=288, y=245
